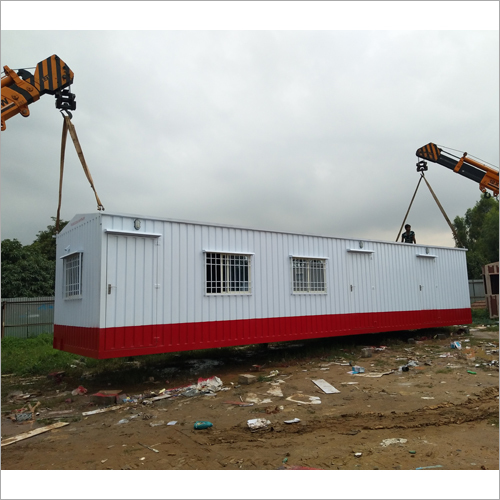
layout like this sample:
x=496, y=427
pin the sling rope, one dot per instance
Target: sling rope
x=457, y=239
x=408, y=211
x=67, y=125
x=422, y=176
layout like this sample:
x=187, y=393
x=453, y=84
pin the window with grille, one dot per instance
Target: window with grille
x=227, y=273
x=308, y=275
x=73, y=275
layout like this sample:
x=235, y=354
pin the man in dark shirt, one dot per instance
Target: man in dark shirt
x=408, y=236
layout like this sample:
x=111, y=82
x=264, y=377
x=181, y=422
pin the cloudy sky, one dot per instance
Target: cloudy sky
x=302, y=130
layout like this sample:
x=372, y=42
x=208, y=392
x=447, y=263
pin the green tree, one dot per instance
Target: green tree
x=45, y=241
x=25, y=271
x=478, y=232
x=29, y=271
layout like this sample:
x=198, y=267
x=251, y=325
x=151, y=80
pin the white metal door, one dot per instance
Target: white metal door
x=361, y=282
x=132, y=266
x=428, y=283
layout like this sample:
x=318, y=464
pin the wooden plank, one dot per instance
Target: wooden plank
x=32, y=433
x=325, y=386
x=101, y=410
x=157, y=398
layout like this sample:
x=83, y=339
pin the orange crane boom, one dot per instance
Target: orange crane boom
x=485, y=176
x=19, y=90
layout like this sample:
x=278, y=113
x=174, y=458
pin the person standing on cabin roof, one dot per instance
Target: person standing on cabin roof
x=408, y=236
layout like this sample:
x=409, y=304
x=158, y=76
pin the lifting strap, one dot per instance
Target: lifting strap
x=68, y=125
x=408, y=211
x=422, y=176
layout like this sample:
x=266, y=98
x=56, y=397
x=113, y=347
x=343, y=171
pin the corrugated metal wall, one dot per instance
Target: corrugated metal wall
x=144, y=287
x=381, y=277
x=82, y=234
x=27, y=317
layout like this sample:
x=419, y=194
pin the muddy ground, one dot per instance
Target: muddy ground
x=437, y=415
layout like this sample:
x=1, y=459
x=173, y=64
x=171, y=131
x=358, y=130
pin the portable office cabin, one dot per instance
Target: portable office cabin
x=129, y=285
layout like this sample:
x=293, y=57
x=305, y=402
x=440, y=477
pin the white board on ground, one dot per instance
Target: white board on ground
x=325, y=386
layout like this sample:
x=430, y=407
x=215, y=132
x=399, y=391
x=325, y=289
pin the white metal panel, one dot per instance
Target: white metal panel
x=81, y=234
x=386, y=277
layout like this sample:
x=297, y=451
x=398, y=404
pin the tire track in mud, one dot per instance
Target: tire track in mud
x=479, y=408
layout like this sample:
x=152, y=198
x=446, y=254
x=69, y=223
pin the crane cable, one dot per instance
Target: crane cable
x=422, y=176
x=408, y=211
x=68, y=125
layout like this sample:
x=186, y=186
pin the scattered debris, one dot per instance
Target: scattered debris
x=325, y=386
x=156, y=424
x=149, y=448
x=366, y=352
x=387, y=442
x=212, y=384
x=358, y=455
x=34, y=432
x=100, y=410
x=123, y=421
x=253, y=398
x=202, y=424
x=123, y=398
x=256, y=368
x=79, y=391
x=158, y=398
x=456, y=345
x=258, y=423
x=356, y=369
x=275, y=390
x=105, y=397
x=246, y=378
x=294, y=421
x=172, y=422
x=58, y=414
x=429, y=467
x=238, y=403
x=313, y=400
x=373, y=375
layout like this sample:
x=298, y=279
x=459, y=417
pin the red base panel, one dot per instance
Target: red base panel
x=102, y=343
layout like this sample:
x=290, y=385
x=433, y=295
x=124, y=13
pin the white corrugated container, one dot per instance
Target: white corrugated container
x=128, y=285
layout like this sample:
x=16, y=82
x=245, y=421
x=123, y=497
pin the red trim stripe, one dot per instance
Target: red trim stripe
x=101, y=343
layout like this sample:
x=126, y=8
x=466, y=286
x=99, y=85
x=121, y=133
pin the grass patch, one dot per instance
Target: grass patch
x=482, y=317
x=33, y=356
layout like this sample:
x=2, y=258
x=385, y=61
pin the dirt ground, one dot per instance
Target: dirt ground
x=436, y=415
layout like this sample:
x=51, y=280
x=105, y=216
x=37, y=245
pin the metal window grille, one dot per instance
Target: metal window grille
x=73, y=275
x=227, y=273
x=308, y=275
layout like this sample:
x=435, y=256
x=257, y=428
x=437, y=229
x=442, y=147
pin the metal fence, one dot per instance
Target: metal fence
x=476, y=290
x=27, y=317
